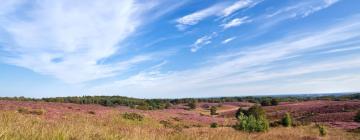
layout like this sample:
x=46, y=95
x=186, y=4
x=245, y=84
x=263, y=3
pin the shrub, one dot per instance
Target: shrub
x=192, y=105
x=239, y=111
x=213, y=110
x=266, y=103
x=286, y=121
x=37, y=112
x=165, y=123
x=255, y=111
x=23, y=110
x=274, y=102
x=168, y=105
x=322, y=130
x=357, y=117
x=251, y=123
x=33, y=112
x=275, y=124
x=133, y=116
x=214, y=125
x=92, y=112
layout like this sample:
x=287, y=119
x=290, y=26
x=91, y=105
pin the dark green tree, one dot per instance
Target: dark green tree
x=287, y=120
x=357, y=117
x=213, y=110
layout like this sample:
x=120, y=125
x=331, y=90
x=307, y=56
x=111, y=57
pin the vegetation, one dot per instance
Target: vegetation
x=322, y=130
x=252, y=120
x=213, y=125
x=287, y=120
x=151, y=104
x=274, y=101
x=266, y=103
x=17, y=126
x=192, y=104
x=133, y=116
x=213, y=110
x=31, y=111
x=251, y=123
x=357, y=117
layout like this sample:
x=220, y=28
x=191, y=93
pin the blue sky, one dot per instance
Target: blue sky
x=172, y=49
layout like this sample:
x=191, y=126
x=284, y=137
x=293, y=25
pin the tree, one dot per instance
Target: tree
x=357, y=117
x=256, y=111
x=251, y=123
x=266, y=103
x=274, y=102
x=286, y=121
x=213, y=110
x=192, y=104
x=239, y=111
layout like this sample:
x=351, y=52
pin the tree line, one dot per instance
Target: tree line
x=152, y=104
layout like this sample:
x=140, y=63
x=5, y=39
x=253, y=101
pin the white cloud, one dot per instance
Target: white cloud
x=260, y=69
x=195, y=17
x=236, y=22
x=223, y=9
x=240, y=4
x=303, y=9
x=68, y=39
x=202, y=41
x=228, y=40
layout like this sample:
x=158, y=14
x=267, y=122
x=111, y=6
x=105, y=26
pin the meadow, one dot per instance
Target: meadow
x=68, y=121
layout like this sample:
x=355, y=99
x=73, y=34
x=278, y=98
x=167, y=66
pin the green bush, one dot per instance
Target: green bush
x=266, y=103
x=357, y=117
x=274, y=102
x=213, y=125
x=251, y=123
x=213, y=110
x=133, y=116
x=322, y=130
x=256, y=111
x=287, y=120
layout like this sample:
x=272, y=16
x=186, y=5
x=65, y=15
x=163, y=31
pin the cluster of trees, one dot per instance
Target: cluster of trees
x=252, y=120
x=150, y=104
x=270, y=102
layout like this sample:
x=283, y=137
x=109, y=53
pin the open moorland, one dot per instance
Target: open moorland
x=38, y=119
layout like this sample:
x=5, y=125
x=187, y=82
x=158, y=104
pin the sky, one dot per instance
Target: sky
x=176, y=49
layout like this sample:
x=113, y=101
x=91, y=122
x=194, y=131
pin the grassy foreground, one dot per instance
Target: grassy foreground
x=17, y=126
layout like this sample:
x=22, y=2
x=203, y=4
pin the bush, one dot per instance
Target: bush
x=92, y=112
x=266, y=103
x=274, y=102
x=213, y=110
x=192, y=105
x=322, y=130
x=287, y=120
x=213, y=125
x=357, y=117
x=133, y=116
x=33, y=112
x=275, y=123
x=256, y=111
x=251, y=123
x=37, y=112
x=23, y=110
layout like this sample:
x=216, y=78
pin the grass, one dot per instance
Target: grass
x=19, y=126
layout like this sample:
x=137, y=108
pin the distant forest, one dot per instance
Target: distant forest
x=152, y=104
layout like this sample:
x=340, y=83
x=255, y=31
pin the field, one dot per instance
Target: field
x=60, y=121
